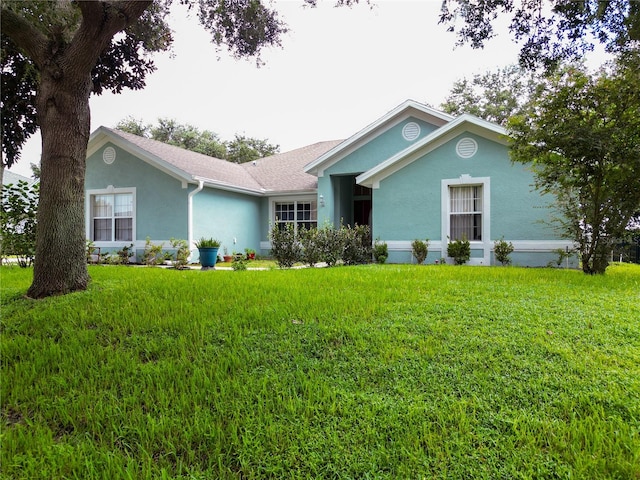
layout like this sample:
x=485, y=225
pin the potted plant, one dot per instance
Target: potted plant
x=227, y=258
x=251, y=253
x=208, y=250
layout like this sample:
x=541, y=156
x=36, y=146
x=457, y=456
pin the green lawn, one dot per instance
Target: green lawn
x=379, y=371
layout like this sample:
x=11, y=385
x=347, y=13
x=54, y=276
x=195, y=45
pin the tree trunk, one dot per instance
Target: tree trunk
x=63, y=113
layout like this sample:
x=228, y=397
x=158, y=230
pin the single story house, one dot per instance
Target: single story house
x=414, y=173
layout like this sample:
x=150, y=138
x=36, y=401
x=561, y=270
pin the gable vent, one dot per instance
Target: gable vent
x=466, y=148
x=109, y=155
x=411, y=131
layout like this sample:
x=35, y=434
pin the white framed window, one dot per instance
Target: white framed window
x=466, y=208
x=465, y=211
x=302, y=213
x=111, y=215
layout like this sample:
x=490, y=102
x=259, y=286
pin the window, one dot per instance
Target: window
x=465, y=211
x=302, y=214
x=111, y=217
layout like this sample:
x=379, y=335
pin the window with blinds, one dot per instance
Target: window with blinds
x=112, y=217
x=465, y=211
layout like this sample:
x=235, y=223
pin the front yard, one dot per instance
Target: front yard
x=376, y=371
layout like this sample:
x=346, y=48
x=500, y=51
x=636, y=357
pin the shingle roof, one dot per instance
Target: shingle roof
x=285, y=171
x=278, y=173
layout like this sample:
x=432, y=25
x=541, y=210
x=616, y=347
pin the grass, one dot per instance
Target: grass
x=379, y=371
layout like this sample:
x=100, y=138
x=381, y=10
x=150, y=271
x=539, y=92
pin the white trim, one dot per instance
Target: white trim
x=445, y=207
x=402, y=112
x=437, y=138
x=289, y=199
x=192, y=194
x=110, y=190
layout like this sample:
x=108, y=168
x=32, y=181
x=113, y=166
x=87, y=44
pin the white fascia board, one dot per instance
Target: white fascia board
x=349, y=145
x=429, y=143
x=101, y=136
x=290, y=193
x=208, y=182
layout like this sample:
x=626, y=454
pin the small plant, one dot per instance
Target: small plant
x=502, y=250
x=380, y=251
x=123, y=255
x=239, y=263
x=459, y=250
x=182, y=252
x=250, y=253
x=152, y=255
x=208, y=243
x=420, y=250
x=562, y=255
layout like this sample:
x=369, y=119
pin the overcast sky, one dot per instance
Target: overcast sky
x=339, y=69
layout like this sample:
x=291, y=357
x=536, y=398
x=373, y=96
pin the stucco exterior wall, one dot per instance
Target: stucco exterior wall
x=160, y=200
x=233, y=218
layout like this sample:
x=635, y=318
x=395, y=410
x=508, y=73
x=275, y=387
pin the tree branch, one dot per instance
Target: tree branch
x=24, y=35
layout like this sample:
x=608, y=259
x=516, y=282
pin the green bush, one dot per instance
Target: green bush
x=18, y=221
x=331, y=244
x=152, y=255
x=460, y=251
x=311, y=249
x=380, y=251
x=357, y=244
x=182, y=252
x=502, y=250
x=420, y=250
x=285, y=247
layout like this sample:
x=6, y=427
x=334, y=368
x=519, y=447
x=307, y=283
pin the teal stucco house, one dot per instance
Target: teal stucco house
x=413, y=173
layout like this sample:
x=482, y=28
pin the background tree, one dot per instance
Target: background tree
x=239, y=150
x=493, y=96
x=245, y=149
x=550, y=30
x=74, y=50
x=583, y=137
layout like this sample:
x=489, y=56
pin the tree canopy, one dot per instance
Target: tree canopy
x=551, y=31
x=493, y=96
x=582, y=135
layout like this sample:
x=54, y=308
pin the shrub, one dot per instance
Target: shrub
x=152, y=255
x=285, y=248
x=123, y=255
x=357, y=244
x=420, y=250
x=380, y=251
x=331, y=244
x=460, y=251
x=311, y=249
x=182, y=252
x=18, y=221
x=502, y=250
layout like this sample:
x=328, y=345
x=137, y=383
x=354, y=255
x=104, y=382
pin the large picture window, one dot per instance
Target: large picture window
x=302, y=214
x=465, y=210
x=112, y=217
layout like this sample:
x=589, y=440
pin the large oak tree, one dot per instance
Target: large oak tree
x=76, y=49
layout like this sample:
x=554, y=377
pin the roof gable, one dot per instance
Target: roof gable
x=463, y=123
x=279, y=173
x=392, y=118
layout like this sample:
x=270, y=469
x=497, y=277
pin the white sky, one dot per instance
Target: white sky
x=339, y=70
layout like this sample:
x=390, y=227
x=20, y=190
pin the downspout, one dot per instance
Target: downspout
x=190, y=215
